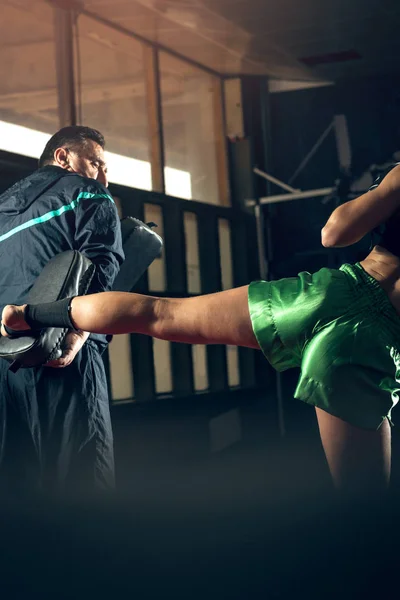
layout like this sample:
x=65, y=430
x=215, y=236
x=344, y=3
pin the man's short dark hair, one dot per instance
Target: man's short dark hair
x=73, y=138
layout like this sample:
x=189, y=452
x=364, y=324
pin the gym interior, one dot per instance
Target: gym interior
x=230, y=124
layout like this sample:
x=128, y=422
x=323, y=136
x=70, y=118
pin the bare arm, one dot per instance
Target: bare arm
x=351, y=221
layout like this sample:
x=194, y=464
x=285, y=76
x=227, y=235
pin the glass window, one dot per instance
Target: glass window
x=162, y=366
x=225, y=251
x=232, y=356
x=189, y=97
x=200, y=372
x=111, y=90
x=28, y=80
x=192, y=253
x=119, y=352
x=156, y=273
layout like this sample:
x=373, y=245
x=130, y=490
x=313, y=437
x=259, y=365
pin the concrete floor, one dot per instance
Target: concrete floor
x=257, y=520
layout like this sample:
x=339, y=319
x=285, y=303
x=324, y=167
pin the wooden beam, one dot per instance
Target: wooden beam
x=221, y=144
x=45, y=97
x=64, y=53
x=154, y=117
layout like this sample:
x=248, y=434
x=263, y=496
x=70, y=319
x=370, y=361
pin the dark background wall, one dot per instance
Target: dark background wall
x=297, y=120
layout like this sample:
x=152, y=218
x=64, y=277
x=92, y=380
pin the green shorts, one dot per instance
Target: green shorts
x=340, y=328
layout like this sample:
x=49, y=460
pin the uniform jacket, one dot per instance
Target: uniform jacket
x=49, y=212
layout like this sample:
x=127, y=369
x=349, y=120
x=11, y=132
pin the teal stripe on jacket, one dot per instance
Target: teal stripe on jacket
x=53, y=213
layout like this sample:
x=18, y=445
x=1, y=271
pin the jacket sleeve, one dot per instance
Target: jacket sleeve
x=98, y=234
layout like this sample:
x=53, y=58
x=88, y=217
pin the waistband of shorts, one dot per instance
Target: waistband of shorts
x=371, y=295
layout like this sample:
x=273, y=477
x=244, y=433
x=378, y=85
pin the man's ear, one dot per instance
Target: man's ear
x=61, y=158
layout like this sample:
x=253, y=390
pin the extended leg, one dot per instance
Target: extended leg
x=221, y=318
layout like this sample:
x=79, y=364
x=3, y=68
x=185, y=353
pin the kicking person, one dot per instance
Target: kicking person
x=341, y=327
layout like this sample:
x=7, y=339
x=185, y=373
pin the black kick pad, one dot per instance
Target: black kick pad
x=67, y=274
x=141, y=246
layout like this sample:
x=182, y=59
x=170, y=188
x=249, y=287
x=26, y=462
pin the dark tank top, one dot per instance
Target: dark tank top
x=388, y=234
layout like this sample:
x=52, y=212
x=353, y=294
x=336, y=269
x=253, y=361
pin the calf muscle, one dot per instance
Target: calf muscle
x=221, y=318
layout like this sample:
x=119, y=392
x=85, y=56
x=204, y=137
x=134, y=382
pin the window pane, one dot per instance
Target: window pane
x=188, y=111
x=119, y=352
x=232, y=355
x=192, y=253
x=162, y=366
x=225, y=248
x=156, y=272
x=200, y=372
x=28, y=81
x=112, y=98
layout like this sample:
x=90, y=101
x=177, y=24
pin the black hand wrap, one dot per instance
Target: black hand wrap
x=51, y=314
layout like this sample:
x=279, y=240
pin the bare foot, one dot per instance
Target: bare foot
x=14, y=318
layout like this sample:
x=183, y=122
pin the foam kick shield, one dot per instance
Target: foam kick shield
x=142, y=246
x=67, y=275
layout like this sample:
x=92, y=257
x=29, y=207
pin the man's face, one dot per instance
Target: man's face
x=88, y=161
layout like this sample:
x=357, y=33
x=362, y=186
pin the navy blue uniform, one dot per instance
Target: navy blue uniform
x=55, y=429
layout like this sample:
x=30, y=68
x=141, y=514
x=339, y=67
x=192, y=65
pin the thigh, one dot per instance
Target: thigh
x=359, y=460
x=348, y=372
x=221, y=318
x=286, y=313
